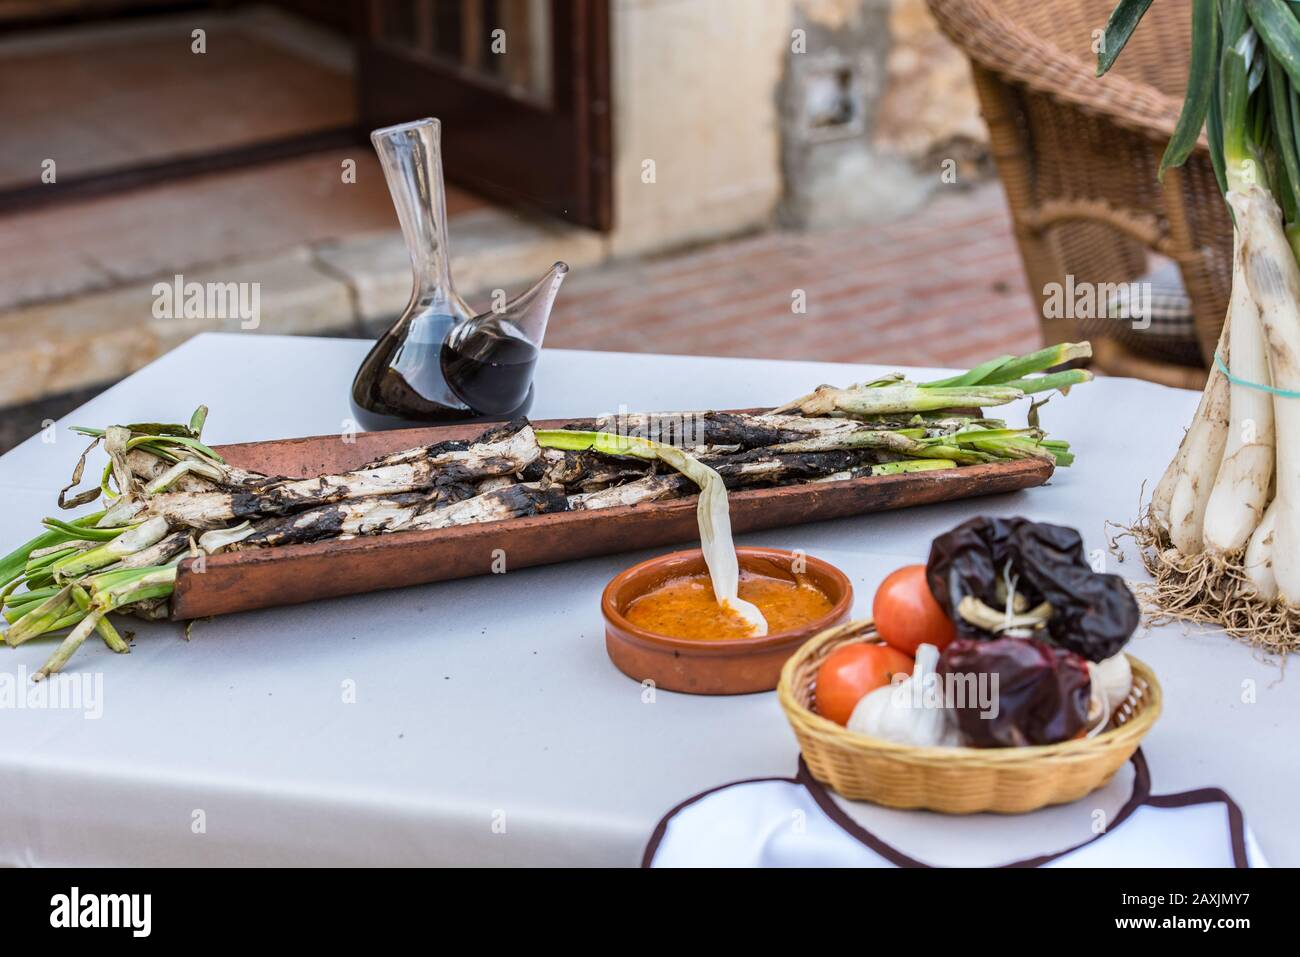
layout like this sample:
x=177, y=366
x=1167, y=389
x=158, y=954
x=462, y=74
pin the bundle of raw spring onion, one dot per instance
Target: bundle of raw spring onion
x=1221, y=535
x=167, y=496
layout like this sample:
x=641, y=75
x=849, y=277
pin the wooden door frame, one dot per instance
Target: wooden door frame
x=486, y=131
x=140, y=175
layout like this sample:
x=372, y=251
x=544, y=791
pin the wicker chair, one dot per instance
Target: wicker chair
x=1078, y=157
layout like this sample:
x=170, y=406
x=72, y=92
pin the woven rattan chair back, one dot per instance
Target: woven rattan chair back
x=1078, y=155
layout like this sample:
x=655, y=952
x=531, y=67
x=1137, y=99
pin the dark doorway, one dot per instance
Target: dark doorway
x=522, y=88
x=106, y=95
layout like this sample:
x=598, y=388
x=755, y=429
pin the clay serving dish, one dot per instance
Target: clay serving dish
x=737, y=666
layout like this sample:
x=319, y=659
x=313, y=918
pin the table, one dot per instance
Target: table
x=488, y=726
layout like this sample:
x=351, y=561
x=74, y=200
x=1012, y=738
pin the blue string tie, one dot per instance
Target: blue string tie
x=1284, y=393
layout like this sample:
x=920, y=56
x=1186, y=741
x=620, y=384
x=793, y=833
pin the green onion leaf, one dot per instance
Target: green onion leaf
x=977, y=375
x=1214, y=132
x=1280, y=98
x=1045, y=358
x=1234, y=96
x=78, y=533
x=1123, y=21
x=1277, y=27
x=1200, y=84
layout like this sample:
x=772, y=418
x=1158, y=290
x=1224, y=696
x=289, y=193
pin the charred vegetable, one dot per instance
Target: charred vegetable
x=1036, y=693
x=167, y=495
x=1011, y=576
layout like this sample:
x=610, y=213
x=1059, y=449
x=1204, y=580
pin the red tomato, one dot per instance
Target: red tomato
x=850, y=672
x=906, y=614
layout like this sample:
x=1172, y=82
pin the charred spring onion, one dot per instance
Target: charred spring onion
x=167, y=495
x=712, y=512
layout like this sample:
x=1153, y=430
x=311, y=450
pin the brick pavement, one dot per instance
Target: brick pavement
x=945, y=288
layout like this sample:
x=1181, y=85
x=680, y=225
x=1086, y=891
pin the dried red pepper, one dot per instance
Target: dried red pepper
x=1092, y=614
x=1011, y=692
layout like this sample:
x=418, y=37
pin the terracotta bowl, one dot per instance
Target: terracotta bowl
x=739, y=666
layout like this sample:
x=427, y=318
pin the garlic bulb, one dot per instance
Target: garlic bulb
x=911, y=711
x=1112, y=678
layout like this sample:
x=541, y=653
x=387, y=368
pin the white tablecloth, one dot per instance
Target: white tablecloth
x=488, y=725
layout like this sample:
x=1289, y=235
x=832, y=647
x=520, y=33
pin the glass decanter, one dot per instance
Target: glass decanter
x=439, y=362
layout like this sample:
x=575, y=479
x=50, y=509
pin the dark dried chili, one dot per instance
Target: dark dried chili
x=1012, y=692
x=1092, y=613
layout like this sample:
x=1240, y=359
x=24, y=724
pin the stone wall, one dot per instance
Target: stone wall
x=696, y=137
x=928, y=111
x=730, y=112
x=906, y=106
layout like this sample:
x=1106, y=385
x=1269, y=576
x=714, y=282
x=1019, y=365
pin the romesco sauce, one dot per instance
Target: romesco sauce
x=684, y=607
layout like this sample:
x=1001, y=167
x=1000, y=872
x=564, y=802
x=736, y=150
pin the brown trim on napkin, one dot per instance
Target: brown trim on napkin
x=1236, y=819
x=657, y=836
x=1141, y=795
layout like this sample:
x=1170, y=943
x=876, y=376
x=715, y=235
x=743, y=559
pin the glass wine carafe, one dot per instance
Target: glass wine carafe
x=439, y=362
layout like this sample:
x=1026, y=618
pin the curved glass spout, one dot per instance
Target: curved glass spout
x=489, y=361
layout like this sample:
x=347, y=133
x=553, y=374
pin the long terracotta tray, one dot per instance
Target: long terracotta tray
x=291, y=574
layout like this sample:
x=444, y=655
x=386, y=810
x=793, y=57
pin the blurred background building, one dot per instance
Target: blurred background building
x=797, y=178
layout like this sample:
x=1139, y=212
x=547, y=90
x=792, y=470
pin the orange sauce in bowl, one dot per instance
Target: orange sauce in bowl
x=684, y=607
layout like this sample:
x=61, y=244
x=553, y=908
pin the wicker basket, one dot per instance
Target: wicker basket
x=955, y=780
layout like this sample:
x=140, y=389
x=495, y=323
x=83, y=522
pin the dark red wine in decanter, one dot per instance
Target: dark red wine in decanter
x=439, y=363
